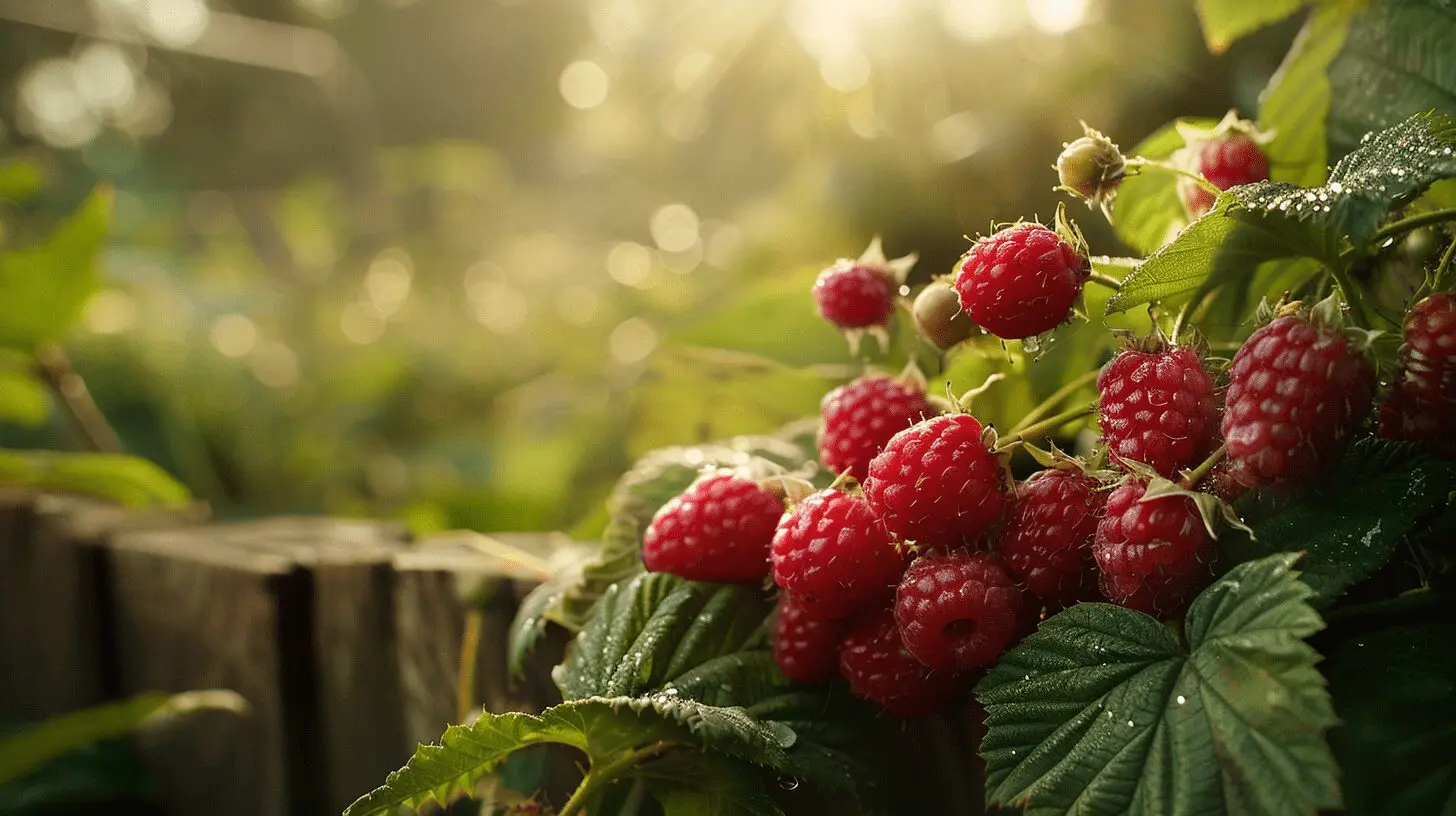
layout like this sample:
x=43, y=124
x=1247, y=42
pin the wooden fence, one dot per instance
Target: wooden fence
x=343, y=635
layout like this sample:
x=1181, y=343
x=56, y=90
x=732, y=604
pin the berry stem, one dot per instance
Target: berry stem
x=1438, y=282
x=1405, y=225
x=600, y=775
x=1352, y=295
x=1205, y=467
x=1051, y=423
x=469, y=655
x=1168, y=167
x=1105, y=280
x=1054, y=400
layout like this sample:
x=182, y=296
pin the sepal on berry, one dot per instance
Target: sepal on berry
x=1211, y=508
x=896, y=269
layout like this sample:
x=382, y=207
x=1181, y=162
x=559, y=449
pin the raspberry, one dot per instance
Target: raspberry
x=855, y=296
x=833, y=553
x=939, y=318
x=1296, y=391
x=860, y=417
x=805, y=646
x=874, y=661
x=1156, y=407
x=1150, y=554
x=1422, y=402
x=1227, y=161
x=1021, y=281
x=957, y=610
x=936, y=483
x=719, y=529
x=1220, y=482
x=1046, y=540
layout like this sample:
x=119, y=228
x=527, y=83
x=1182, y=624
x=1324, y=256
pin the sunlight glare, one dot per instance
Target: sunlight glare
x=584, y=84
x=979, y=20
x=1057, y=16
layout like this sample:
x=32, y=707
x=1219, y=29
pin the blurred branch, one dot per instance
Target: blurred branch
x=234, y=38
x=263, y=234
x=53, y=368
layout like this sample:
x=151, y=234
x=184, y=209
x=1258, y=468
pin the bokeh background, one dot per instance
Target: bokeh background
x=460, y=261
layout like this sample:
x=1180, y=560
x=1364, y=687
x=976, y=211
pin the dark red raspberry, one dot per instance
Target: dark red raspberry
x=1220, y=482
x=1046, y=540
x=832, y=552
x=874, y=661
x=1421, y=406
x=1296, y=392
x=805, y=646
x=855, y=296
x=719, y=529
x=957, y=611
x=1021, y=281
x=1150, y=554
x=936, y=483
x=1156, y=407
x=860, y=417
x=1227, y=161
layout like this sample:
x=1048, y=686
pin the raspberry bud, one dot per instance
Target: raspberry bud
x=939, y=317
x=1091, y=167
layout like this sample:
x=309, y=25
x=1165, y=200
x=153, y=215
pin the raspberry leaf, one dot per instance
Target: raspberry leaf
x=1296, y=102
x=1396, y=742
x=44, y=286
x=1349, y=526
x=1148, y=211
x=1227, y=20
x=1102, y=710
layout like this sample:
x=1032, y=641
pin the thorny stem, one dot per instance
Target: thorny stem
x=1105, y=280
x=53, y=367
x=1053, y=401
x=1045, y=425
x=1167, y=167
x=599, y=776
x=469, y=654
x=1204, y=468
x=1405, y=225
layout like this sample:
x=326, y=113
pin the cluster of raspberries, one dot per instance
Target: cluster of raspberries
x=926, y=561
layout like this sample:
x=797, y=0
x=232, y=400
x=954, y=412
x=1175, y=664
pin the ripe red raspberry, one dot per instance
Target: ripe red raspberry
x=805, y=646
x=1227, y=161
x=1296, y=391
x=833, y=553
x=855, y=296
x=1421, y=406
x=1046, y=540
x=860, y=417
x=874, y=661
x=1021, y=281
x=1156, y=407
x=1150, y=554
x=957, y=611
x=719, y=529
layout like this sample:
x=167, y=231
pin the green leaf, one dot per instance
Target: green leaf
x=1389, y=169
x=1227, y=20
x=126, y=480
x=708, y=785
x=648, y=631
x=1395, y=692
x=1102, y=711
x=1296, y=102
x=101, y=773
x=19, y=180
x=1148, y=210
x=1396, y=61
x=44, y=286
x=1349, y=525
x=32, y=747
x=616, y=733
x=24, y=399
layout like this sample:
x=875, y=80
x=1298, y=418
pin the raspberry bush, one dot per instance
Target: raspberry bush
x=1174, y=483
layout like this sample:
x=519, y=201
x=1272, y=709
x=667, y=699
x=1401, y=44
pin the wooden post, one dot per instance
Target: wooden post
x=291, y=613
x=55, y=600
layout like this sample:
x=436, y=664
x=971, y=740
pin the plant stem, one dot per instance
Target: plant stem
x=1105, y=280
x=1045, y=425
x=469, y=655
x=1167, y=167
x=1405, y=225
x=1053, y=401
x=53, y=367
x=1185, y=315
x=1354, y=298
x=1409, y=602
x=1205, y=467
x=599, y=776
x=1438, y=278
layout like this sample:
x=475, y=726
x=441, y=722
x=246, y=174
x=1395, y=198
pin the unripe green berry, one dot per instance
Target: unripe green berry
x=1091, y=167
x=939, y=318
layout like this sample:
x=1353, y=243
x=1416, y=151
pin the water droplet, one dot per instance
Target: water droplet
x=788, y=783
x=1182, y=700
x=1130, y=723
